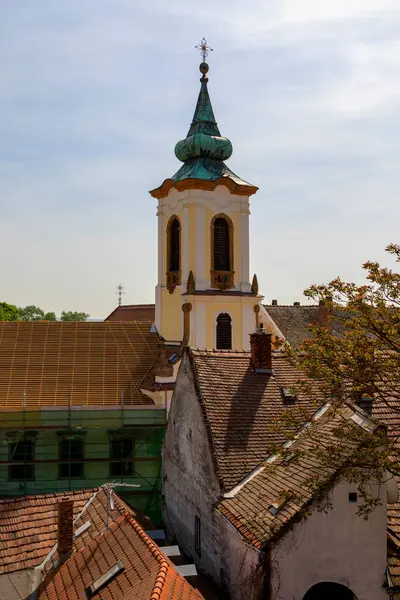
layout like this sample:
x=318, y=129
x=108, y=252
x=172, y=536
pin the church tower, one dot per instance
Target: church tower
x=204, y=295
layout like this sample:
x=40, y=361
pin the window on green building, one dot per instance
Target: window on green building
x=71, y=455
x=21, y=453
x=121, y=456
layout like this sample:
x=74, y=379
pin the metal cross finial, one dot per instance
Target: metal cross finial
x=120, y=292
x=204, y=49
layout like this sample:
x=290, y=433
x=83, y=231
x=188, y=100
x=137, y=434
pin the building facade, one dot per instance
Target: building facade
x=204, y=295
x=238, y=520
x=79, y=407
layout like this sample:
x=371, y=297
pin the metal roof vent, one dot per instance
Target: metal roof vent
x=276, y=506
x=104, y=579
x=288, y=396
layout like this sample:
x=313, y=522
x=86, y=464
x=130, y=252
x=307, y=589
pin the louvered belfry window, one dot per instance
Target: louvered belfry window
x=175, y=250
x=221, y=245
x=224, y=332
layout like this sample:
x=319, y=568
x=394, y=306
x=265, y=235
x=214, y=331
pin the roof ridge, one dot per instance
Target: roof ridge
x=154, y=549
x=49, y=495
x=290, y=305
x=206, y=420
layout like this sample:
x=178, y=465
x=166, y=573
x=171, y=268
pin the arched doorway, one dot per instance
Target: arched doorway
x=329, y=591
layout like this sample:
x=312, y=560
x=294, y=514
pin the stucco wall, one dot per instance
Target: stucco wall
x=189, y=484
x=195, y=210
x=337, y=546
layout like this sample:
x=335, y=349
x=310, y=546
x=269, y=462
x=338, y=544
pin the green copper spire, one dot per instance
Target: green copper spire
x=203, y=138
x=204, y=149
x=203, y=118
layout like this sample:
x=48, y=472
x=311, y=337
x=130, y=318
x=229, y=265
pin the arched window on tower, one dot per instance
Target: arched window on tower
x=224, y=332
x=174, y=253
x=222, y=252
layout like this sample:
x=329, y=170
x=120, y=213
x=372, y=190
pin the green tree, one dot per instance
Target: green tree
x=34, y=313
x=9, y=312
x=50, y=316
x=31, y=313
x=74, y=316
x=361, y=365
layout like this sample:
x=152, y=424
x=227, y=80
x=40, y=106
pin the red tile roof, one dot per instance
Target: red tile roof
x=147, y=574
x=133, y=312
x=240, y=408
x=393, y=527
x=294, y=322
x=290, y=485
x=92, y=362
x=28, y=525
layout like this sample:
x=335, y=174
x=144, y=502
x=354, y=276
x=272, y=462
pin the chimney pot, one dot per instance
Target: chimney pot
x=274, y=303
x=65, y=533
x=261, y=351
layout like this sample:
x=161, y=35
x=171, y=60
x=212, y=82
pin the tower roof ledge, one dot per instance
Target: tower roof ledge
x=204, y=174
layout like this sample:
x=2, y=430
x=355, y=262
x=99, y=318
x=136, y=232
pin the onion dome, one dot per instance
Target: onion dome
x=203, y=152
x=204, y=138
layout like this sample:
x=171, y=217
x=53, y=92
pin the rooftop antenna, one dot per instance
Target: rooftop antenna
x=120, y=292
x=109, y=489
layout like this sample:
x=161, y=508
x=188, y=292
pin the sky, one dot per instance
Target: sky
x=94, y=95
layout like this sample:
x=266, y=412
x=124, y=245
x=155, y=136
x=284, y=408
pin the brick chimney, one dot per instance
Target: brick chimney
x=65, y=533
x=324, y=315
x=261, y=351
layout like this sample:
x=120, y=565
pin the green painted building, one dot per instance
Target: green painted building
x=81, y=404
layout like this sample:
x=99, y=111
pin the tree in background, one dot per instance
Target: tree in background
x=354, y=358
x=34, y=313
x=74, y=316
x=9, y=312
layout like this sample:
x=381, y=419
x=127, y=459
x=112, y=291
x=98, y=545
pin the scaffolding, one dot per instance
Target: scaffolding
x=53, y=449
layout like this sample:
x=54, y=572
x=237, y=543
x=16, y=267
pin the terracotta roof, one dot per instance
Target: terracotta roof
x=147, y=574
x=93, y=362
x=28, y=525
x=387, y=411
x=133, y=312
x=288, y=484
x=393, y=527
x=240, y=408
x=294, y=321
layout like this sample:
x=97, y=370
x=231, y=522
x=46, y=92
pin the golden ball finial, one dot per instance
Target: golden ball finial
x=204, y=68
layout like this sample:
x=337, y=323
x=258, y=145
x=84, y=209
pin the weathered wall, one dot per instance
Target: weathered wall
x=241, y=565
x=190, y=488
x=337, y=546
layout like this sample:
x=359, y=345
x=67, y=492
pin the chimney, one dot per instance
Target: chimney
x=261, y=351
x=296, y=303
x=274, y=303
x=65, y=533
x=324, y=315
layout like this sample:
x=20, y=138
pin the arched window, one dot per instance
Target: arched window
x=173, y=253
x=224, y=332
x=222, y=252
x=174, y=245
x=222, y=261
